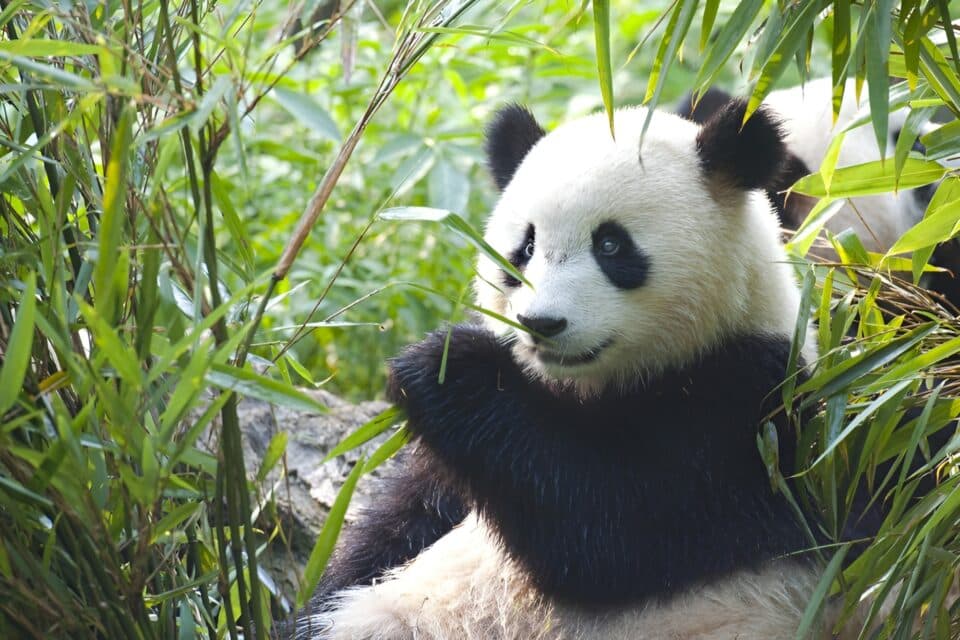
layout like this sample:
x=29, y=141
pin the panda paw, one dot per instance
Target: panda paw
x=476, y=366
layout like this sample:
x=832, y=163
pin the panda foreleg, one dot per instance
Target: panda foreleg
x=413, y=508
x=463, y=587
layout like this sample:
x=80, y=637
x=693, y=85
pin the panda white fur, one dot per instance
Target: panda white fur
x=600, y=479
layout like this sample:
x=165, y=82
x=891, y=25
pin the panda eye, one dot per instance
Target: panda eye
x=528, y=249
x=608, y=246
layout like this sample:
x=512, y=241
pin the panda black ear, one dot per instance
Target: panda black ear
x=510, y=136
x=709, y=103
x=747, y=157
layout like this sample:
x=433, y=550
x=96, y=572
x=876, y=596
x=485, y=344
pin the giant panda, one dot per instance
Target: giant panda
x=587, y=466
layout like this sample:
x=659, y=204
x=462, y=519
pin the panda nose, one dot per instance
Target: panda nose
x=543, y=325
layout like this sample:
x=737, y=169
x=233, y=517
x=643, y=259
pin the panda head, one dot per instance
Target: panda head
x=637, y=260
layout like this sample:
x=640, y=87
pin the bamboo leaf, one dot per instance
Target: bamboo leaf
x=601, y=33
x=386, y=450
x=819, y=596
x=508, y=37
x=377, y=425
x=673, y=36
x=872, y=408
x=275, y=450
x=328, y=536
x=786, y=46
x=458, y=225
x=944, y=9
x=251, y=384
x=309, y=113
x=942, y=142
x=54, y=74
x=709, y=16
x=940, y=222
x=110, y=233
x=13, y=369
x=878, y=49
x=39, y=48
x=840, y=52
x=938, y=73
x=730, y=36
x=835, y=379
x=912, y=126
x=119, y=353
x=870, y=178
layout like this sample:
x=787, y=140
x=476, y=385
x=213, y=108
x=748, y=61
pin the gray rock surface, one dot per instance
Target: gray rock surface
x=303, y=494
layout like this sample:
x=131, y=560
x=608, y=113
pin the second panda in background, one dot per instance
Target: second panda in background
x=806, y=116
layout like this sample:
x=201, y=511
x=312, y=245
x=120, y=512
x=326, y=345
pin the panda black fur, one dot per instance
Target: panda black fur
x=598, y=478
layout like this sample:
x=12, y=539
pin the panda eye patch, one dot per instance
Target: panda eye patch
x=624, y=264
x=521, y=256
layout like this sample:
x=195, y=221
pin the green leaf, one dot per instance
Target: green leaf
x=786, y=46
x=308, y=112
x=209, y=102
x=54, y=74
x=913, y=365
x=457, y=224
x=870, y=178
x=829, y=164
x=275, y=450
x=731, y=35
x=38, y=48
x=601, y=33
x=939, y=74
x=328, y=536
x=509, y=37
x=13, y=370
x=386, y=450
x=706, y=26
x=942, y=142
x=231, y=218
x=840, y=52
x=944, y=9
x=173, y=518
x=870, y=410
x=250, y=384
x=799, y=337
x=377, y=425
x=835, y=379
x=673, y=35
x=911, y=41
x=878, y=49
x=912, y=126
x=818, y=598
x=940, y=222
x=20, y=492
x=119, y=353
x=112, y=221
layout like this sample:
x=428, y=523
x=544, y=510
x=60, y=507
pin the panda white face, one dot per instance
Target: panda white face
x=634, y=267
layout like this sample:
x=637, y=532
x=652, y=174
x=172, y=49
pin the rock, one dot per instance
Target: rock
x=303, y=496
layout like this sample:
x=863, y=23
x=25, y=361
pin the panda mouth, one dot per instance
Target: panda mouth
x=570, y=360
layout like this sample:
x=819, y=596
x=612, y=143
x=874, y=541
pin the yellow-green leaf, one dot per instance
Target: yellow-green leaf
x=19, y=347
x=601, y=32
x=870, y=178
